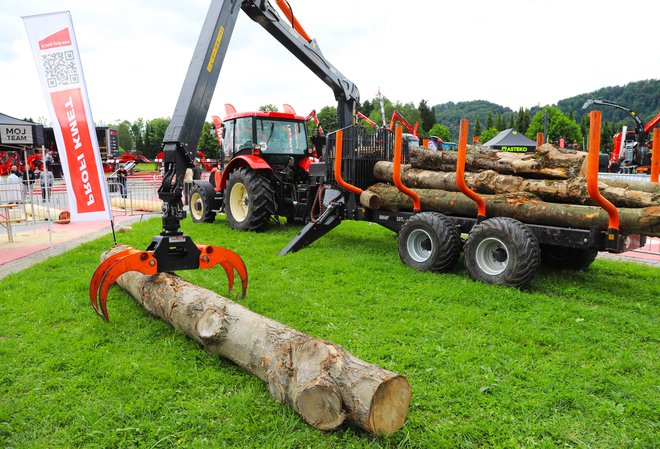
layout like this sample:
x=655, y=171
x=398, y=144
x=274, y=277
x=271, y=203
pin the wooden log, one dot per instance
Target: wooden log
x=570, y=191
x=546, y=162
x=650, y=187
x=43, y=212
x=321, y=380
x=137, y=204
x=524, y=207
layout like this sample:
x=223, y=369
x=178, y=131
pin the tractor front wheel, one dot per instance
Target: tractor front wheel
x=249, y=200
x=200, y=203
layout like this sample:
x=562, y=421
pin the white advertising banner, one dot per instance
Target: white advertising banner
x=55, y=52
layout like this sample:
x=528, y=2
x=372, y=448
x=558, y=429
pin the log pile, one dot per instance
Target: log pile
x=320, y=380
x=544, y=187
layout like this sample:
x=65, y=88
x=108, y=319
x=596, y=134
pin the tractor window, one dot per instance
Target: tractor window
x=282, y=137
x=228, y=138
x=244, y=134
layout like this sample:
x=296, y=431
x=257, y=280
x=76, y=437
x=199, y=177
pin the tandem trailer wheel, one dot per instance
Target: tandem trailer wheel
x=429, y=241
x=502, y=251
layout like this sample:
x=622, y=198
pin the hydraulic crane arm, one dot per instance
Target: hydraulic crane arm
x=192, y=106
x=639, y=125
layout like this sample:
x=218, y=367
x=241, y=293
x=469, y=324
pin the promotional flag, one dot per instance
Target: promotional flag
x=56, y=55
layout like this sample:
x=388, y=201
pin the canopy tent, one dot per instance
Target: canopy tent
x=512, y=141
x=15, y=132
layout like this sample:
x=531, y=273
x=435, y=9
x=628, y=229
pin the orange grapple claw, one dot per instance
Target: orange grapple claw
x=110, y=270
x=211, y=256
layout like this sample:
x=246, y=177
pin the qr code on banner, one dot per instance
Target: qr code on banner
x=60, y=68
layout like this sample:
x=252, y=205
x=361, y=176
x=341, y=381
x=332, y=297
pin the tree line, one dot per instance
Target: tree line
x=565, y=120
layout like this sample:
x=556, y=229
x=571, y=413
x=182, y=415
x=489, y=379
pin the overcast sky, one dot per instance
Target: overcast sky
x=511, y=52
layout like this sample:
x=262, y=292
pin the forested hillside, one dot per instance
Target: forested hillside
x=641, y=96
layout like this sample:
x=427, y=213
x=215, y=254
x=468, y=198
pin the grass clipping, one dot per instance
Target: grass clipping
x=321, y=380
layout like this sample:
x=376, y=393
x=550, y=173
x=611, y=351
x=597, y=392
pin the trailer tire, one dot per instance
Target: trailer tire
x=200, y=203
x=577, y=259
x=502, y=251
x=429, y=241
x=249, y=200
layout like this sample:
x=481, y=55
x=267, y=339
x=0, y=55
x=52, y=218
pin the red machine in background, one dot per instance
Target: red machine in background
x=367, y=119
x=630, y=153
x=11, y=158
x=112, y=164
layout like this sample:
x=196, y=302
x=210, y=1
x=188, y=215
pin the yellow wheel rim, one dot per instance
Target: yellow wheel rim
x=196, y=205
x=238, y=202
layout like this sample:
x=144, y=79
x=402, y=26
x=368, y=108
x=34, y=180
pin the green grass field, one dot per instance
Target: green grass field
x=572, y=362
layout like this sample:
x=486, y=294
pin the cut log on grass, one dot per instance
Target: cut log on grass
x=319, y=379
x=546, y=162
x=523, y=207
x=570, y=191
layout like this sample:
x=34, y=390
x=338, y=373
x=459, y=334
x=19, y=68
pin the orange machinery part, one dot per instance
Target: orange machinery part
x=396, y=175
x=460, y=171
x=284, y=6
x=338, y=177
x=655, y=156
x=592, y=171
x=539, y=139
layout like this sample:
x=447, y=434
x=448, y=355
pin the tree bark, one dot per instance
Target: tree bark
x=322, y=381
x=570, y=191
x=546, y=162
x=524, y=207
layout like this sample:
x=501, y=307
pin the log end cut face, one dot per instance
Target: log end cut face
x=389, y=406
x=321, y=407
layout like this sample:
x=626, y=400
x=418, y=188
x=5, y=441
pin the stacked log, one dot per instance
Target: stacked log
x=544, y=187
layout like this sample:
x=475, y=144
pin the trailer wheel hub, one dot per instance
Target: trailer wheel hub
x=492, y=256
x=420, y=245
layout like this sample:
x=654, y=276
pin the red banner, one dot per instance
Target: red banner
x=80, y=155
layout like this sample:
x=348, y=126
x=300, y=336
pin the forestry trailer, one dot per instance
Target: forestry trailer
x=631, y=153
x=277, y=181
x=498, y=249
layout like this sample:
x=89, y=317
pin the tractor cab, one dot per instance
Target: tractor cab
x=276, y=137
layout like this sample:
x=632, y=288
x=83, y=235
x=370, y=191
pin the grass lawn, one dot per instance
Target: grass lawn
x=571, y=362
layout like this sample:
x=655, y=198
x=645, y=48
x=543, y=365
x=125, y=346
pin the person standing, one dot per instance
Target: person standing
x=197, y=171
x=46, y=178
x=14, y=185
x=122, y=175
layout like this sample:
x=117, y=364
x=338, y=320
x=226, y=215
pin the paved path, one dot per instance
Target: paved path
x=33, y=244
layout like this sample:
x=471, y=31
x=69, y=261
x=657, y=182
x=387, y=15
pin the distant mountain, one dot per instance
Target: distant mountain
x=641, y=96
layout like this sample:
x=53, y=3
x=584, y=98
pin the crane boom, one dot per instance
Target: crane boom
x=179, y=144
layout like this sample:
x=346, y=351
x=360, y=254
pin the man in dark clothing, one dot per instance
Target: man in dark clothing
x=197, y=171
x=122, y=174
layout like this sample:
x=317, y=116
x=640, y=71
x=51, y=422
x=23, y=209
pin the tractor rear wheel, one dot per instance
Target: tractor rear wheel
x=200, y=203
x=429, y=241
x=502, y=251
x=568, y=258
x=249, y=200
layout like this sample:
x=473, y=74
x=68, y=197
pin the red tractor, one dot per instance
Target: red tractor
x=267, y=174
